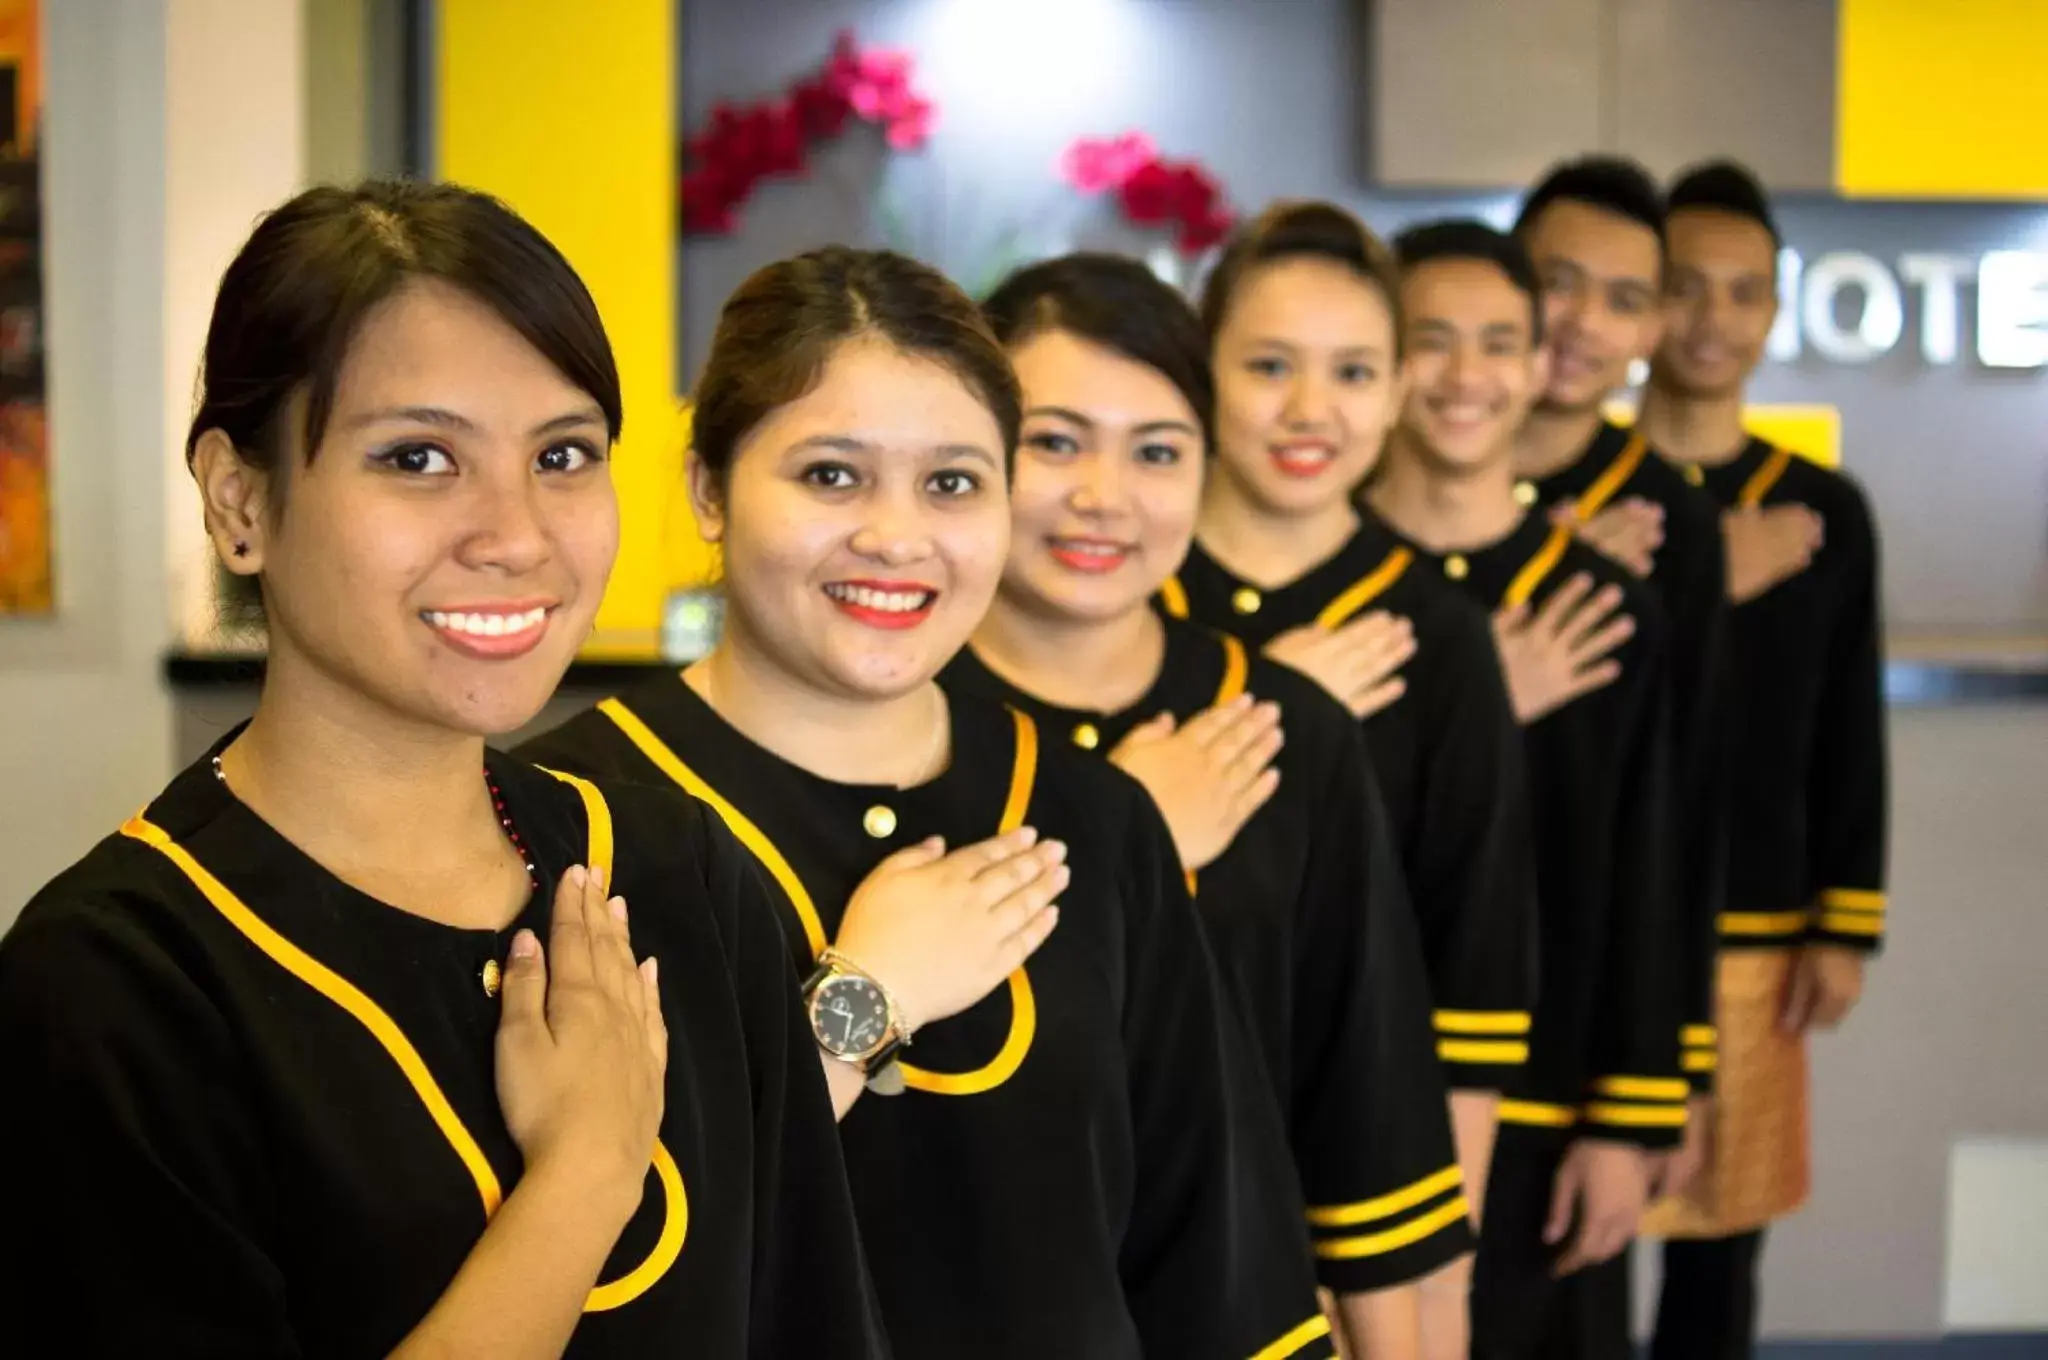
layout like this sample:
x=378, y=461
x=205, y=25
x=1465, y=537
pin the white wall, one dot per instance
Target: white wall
x=170, y=125
x=236, y=146
x=87, y=728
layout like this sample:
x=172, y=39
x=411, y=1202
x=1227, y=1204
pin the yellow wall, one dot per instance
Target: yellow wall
x=1811, y=431
x=1942, y=99
x=568, y=113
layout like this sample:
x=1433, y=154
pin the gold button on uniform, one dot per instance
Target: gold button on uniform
x=1525, y=494
x=1087, y=737
x=493, y=976
x=1456, y=567
x=1246, y=601
x=1694, y=475
x=879, y=821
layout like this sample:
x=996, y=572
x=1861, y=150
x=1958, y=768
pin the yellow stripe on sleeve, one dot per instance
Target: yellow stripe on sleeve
x=1393, y=1239
x=1387, y=1205
x=1487, y=1052
x=1482, y=1022
x=1642, y=1088
x=1636, y=1116
x=1314, y=1329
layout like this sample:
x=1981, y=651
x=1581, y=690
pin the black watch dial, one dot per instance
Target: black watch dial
x=849, y=1016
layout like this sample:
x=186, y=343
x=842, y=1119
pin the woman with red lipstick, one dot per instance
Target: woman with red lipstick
x=1083, y=1163
x=1300, y=314
x=344, y=1045
x=1301, y=891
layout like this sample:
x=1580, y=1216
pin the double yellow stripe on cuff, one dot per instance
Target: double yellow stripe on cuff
x=1453, y=1046
x=1698, y=1048
x=1393, y=1205
x=1652, y=1102
x=1632, y=1102
x=1852, y=911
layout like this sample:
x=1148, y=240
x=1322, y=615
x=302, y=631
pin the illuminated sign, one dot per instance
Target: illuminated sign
x=1850, y=307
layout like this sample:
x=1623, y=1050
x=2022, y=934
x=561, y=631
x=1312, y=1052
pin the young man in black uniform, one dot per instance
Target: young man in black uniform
x=1603, y=1092
x=1594, y=230
x=1807, y=818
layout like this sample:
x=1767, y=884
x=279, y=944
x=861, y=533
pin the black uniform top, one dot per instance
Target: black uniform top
x=1311, y=924
x=251, y=1112
x=1690, y=577
x=1086, y=1163
x=1807, y=820
x=1448, y=756
x=1604, y=1055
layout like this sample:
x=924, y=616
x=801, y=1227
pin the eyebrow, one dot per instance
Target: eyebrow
x=453, y=420
x=1070, y=415
x=846, y=443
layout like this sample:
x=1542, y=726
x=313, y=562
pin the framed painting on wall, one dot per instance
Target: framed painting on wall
x=27, y=577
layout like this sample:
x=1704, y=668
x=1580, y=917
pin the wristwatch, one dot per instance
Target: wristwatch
x=856, y=1021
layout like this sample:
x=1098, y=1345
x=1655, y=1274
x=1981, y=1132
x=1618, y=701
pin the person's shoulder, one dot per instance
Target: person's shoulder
x=1094, y=795
x=112, y=925
x=1835, y=493
x=1314, y=721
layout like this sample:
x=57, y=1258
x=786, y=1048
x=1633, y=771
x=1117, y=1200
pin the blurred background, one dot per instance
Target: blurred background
x=672, y=146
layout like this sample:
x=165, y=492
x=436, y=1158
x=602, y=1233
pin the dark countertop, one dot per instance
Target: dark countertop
x=1912, y=684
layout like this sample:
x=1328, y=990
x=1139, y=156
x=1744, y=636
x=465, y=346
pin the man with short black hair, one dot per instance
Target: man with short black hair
x=1807, y=833
x=1595, y=228
x=1602, y=1097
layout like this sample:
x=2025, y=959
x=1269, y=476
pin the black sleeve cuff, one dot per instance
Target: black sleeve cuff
x=1852, y=918
x=1647, y=1111
x=1699, y=1057
x=1482, y=1050
x=1394, y=1238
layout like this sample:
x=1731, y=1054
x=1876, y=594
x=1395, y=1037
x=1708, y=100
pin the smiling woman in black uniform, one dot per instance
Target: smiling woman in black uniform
x=1302, y=316
x=1084, y=1164
x=1302, y=892
x=289, y=1069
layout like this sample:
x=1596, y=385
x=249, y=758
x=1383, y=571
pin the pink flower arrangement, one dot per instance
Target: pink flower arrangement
x=1152, y=190
x=746, y=144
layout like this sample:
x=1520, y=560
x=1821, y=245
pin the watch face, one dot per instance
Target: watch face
x=849, y=1015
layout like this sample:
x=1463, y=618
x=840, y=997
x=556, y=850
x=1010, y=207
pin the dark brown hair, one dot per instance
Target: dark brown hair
x=1115, y=302
x=1301, y=229
x=297, y=293
x=780, y=327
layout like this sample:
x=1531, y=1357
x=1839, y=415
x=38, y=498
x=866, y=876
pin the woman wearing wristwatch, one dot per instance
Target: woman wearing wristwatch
x=1082, y=1163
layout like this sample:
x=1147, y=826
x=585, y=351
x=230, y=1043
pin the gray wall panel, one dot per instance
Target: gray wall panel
x=1749, y=78
x=1476, y=93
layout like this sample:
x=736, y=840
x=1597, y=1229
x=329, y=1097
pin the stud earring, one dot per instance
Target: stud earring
x=241, y=550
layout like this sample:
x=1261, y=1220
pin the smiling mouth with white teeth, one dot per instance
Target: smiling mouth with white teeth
x=486, y=625
x=884, y=601
x=492, y=634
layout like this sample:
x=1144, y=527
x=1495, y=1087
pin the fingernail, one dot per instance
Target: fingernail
x=1056, y=851
x=577, y=876
x=1027, y=836
x=597, y=877
x=618, y=906
x=1063, y=874
x=650, y=969
x=524, y=945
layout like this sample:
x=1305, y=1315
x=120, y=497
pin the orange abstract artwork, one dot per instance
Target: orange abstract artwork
x=27, y=583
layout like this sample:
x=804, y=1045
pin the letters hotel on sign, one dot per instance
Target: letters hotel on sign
x=1849, y=306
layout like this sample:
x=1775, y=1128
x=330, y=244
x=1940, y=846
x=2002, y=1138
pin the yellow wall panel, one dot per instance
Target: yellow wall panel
x=567, y=112
x=1941, y=99
x=1811, y=431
